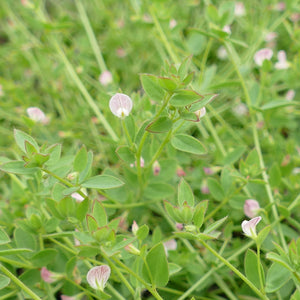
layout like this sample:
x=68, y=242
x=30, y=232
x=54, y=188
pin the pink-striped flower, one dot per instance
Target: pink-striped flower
x=120, y=105
x=290, y=95
x=98, y=276
x=263, y=54
x=249, y=227
x=37, y=115
x=49, y=276
x=251, y=208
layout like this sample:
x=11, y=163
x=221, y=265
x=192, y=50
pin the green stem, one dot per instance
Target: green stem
x=231, y=52
x=235, y=270
x=163, y=36
x=91, y=36
x=18, y=282
x=129, y=140
x=259, y=270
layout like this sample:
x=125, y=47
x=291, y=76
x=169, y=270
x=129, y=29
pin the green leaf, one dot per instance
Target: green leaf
x=25, y=239
x=142, y=232
x=214, y=226
x=185, y=193
x=91, y=223
x=184, y=67
x=162, y=124
x=80, y=160
x=21, y=137
x=99, y=214
x=14, y=251
x=155, y=269
x=212, y=14
x=278, y=103
x=4, y=281
x=167, y=83
x=151, y=87
x=251, y=268
x=102, y=182
x=204, y=101
x=277, y=276
x=199, y=213
x=4, y=239
x=215, y=189
x=234, y=155
x=187, y=143
x=125, y=154
x=43, y=257
x=262, y=235
x=275, y=175
x=17, y=167
x=85, y=173
x=280, y=260
x=184, y=98
x=158, y=190
x=70, y=266
x=173, y=268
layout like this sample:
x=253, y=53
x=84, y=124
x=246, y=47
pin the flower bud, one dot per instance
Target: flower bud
x=132, y=249
x=239, y=9
x=120, y=105
x=190, y=228
x=200, y=113
x=180, y=172
x=251, y=208
x=134, y=227
x=49, y=276
x=282, y=61
x=249, y=227
x=290, y=95
x=37, y=115
x=98, y=276
x=156, y=168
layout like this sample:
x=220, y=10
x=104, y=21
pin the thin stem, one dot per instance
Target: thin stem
x=18, y=282
x=231, y=52
x=91, y=36
x=235, y=270
x=259, y=270
x=163, y=36
x=129, y=140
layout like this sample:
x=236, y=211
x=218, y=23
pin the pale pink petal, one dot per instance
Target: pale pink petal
x=98, y=276
x=251, y=208
x=263, y=54
x=120, y=105
x=249, y=227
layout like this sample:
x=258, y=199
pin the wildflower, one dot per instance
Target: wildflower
x=290, y=95
x=78, y=197
x=263, y=54
x=120, y=105
x=208, y=171
x=251, y=208
x=295, y=17
x=222, y=53
x=227, y=29
x=180, y=172
x=64, y=297
x=49, y=276
x=172, y=23
x=37, y=115
x=98, y=276
x=239, y=9
x=156, y=168
x=1, y=91
x=280, y=6
x=282, y=62
x=170, y=245
x=134, y=227
x=249, y=227
x=200, y=113
x=271, y=36
x=179, y=226
x=105, y=78
x=132, y=249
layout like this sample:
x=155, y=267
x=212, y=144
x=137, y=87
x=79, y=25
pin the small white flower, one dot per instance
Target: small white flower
x=172, y=23
x=98, y=276
x=37, y=115
x=251, y=208
x=170, y=245
x=227, y=29
x=200, y=113
x=222, y=53
x=105, y=78
x=239, y=9
x=282, y=62
x=290, y=95
x=263, y=54
x=241, y=109
x=249, y=227
x=120, y=105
